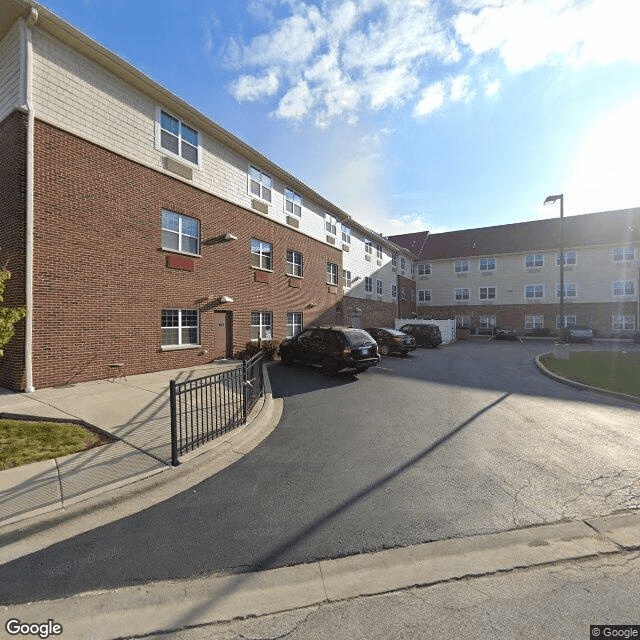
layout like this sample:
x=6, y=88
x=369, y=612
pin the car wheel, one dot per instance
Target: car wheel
x=384, y=349
x=286, y=359
x=404, y=354
x=329, y=367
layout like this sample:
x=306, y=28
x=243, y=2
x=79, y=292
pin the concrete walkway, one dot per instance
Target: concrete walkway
x=134, y=410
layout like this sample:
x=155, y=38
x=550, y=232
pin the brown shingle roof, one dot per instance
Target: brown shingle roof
x=606, y=227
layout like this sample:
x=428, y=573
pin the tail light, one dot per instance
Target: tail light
x=398, y=340
x=346, y=351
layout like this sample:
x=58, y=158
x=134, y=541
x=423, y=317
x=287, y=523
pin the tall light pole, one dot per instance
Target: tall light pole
x=562, y=322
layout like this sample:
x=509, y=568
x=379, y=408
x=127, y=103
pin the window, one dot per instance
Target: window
x=487, y=264
x=424, y=295
x=259, y=183
x=487, y=322
x=402, y=263
x=368, y=246
x=463, y=322
x=178, y=138
x=294, y=263
x=292, y=202
x=534, y=291
x=569, y=321
x=413, y=269
x=379, y=287
x=394, y=291
x=260, y=254
x=625, y=254
x=487, y=293
x=461, y=294
x=461, y=266
x=346, y=276
x=623, y=288
x=533, y=322
x=368, y=284
x=346, y=234
x=379, y=251
x=294, y=323
x=331, y=224
x=624, y=323
x=534, y=260
x=570, y=290
x=403, y=293
x=261, y=325
x=332, y=273
x=424, y=269
x=569, y=257
x=413, y=295
x=394, y=260
x=180, y=327
x=180, y=233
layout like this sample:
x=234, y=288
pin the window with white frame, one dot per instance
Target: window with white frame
x=487, y=264
x=178, y=138
x=259, y=183
x=368, y=246
x=346, y=277
x=331, y=224
x=261, y=325
x=569, y=257
x=487, y=322
x=180, y=233
x=294, y=323
x=424, y=269
x=294, y=263
x=379, y=287
x=261, y=253
x=623, y=323
x=461, y=266
x=623, y=254
x=623, y=288
x=401, y=263
x=332, y=273
x=569, y=321
x=534, y=260
x=461, y=294
x=534, y=291
x=180, y=327
x=368, y=284
x=424, y=295
x=403, y=293
x=292, y=202
x=379, y=251
x=413, y=295
x=533, y=322
x=487, y=293
x=346, y=234
x=463, y=322
x=394, y=291
x=570, y=290
x=413, y=269
x=394, y=260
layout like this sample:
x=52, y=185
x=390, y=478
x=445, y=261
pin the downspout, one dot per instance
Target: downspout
x=26, y=68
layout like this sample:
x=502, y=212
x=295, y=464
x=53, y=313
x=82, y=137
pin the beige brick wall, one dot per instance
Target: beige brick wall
x=10, y=71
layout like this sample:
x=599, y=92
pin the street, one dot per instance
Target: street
x=466, y=439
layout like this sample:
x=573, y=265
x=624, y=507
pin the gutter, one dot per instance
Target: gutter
x=26, y=76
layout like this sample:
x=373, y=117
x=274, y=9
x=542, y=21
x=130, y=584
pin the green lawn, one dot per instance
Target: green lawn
x=610, y=370
x=22, y=442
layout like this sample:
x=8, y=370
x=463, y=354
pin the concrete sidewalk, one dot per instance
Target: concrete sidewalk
x=134, y=410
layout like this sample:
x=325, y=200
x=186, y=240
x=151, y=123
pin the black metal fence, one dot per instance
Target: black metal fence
x=204, y=408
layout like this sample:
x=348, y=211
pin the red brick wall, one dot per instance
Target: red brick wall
x=13, y=144
x=374, y=313
x=101, y=278
x=406, y=308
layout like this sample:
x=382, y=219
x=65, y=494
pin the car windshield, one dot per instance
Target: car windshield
x=357, y=336
x=578, y=328
x=393, y=332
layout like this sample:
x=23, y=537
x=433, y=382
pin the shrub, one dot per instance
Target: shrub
x=269, y=350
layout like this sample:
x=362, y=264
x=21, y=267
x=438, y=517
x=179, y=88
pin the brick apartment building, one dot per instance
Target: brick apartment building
x=139, y=231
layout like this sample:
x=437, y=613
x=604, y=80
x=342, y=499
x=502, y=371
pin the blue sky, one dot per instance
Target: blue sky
x=407, y=114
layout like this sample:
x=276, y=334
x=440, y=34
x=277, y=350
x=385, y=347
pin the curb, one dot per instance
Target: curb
x=581, y=385
x=163, y=607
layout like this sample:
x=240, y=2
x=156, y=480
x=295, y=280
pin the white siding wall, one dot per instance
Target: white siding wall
x=10, y=72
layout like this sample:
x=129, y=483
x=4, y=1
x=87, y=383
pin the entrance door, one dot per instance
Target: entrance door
x=356, y=319
x=223, y=334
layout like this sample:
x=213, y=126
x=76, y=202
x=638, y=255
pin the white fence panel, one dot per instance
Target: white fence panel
x=447, y=327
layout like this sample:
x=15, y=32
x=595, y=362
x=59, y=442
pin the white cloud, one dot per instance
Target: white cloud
x=252, y=88
x=492, y=88
x=431, y=100
x=461, y=88
x=295, y=104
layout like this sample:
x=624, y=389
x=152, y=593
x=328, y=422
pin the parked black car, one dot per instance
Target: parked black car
x=392, y=341
x=578, y=333
x=333, y=348
x=426, y=335
x=504, y=333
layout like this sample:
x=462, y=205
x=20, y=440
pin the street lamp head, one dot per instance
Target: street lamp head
x=553, y=198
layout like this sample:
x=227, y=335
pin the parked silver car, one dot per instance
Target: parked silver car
x=579, y=333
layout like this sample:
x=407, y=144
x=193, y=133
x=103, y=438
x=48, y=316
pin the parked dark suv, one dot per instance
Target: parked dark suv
x=392, y=341
x=333, y=348
x=426, y=335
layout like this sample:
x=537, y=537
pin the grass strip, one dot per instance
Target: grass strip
x=611, y=370
x=23, y=442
